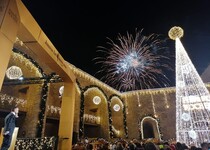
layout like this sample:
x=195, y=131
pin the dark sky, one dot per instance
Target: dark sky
x=77, y=28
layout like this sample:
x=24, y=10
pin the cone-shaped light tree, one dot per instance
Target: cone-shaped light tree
x=192, y=98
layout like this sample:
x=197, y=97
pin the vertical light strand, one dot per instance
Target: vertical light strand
x=166, y=100
x=138, y=99
x=153, y=105
x=126, y=104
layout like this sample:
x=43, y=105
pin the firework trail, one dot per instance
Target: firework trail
x=134, y=62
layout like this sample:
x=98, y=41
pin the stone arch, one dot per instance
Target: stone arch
x=149, y=127
x=117, y=117
x=95, y=117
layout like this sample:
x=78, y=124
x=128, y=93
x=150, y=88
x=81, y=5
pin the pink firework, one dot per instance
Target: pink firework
x=135, y=62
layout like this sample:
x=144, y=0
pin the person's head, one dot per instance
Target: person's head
x=150, y=146
x=204, y=146
x=179, y=146
x=15, y=109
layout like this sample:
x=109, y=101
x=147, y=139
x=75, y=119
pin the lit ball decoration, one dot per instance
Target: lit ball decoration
x=116, y=107
x=14, y=72
x=175, y=32
x=96, y=100
x=192, y=134
x=185, y=117
x=61, y=90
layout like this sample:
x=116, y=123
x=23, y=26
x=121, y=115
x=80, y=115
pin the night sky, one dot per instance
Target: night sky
x=77, y=28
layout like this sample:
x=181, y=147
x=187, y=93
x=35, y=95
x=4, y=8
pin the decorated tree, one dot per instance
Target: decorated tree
x=192, y=98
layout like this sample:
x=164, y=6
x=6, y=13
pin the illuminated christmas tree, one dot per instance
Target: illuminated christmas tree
x=192, y=98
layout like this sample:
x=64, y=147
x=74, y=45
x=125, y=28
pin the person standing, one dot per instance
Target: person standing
x=9, y=126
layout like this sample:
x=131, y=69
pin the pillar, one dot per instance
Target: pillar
x=9, y=22
x=65, y=132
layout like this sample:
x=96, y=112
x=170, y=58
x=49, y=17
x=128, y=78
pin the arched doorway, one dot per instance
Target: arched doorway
x=149, y=128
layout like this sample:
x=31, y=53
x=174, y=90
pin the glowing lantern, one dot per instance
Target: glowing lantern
x=14, y=72
x=192, y=134
x=96, y=100
x=116, y=107
x=61, y=89
x=186, y=117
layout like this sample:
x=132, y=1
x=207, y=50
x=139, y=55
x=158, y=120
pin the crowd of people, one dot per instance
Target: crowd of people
x=134, y=144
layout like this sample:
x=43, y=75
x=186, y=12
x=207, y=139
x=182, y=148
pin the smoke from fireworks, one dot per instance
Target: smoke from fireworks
x=136, y=62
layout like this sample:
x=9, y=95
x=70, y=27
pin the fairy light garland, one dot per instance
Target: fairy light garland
x=54, y=109
x=10, y=99
x=138, y=99
x=46, y=143
x=153, y=105
x=166, y=100
x=154, y=118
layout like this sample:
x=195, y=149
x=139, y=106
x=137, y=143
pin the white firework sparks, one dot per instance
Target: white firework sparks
x=134, y=63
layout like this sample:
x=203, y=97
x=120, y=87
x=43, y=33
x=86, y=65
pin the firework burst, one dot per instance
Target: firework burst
x=134, y=63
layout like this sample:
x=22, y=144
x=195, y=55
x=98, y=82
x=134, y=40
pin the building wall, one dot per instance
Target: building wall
x=166, y=116
x=161, y=97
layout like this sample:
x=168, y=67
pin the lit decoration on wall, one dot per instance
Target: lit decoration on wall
x=166, y=100
x=116, y=107
x=157, y=123
x=96, y=100
x=149, y=91
x=153, y=105
x=10, y=99
x=139, y=104
x=88, y=118
x=135, y=62
x=192, y=98
x=125, y=97
x=54, y=109
x=61, y=90
x=14, y=72
x=28, y=62
x=81, y=74
x=46, y=143
x=116, y=132
x=186, y=117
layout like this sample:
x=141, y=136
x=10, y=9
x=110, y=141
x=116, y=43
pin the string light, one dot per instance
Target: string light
x=126, y=105
x=11, y=99
x=28, y=62
x=153, y=105
x=46, y=143
x=53, y=109
x=156, y=125
x=117, y=132
x=166, y=100
x=139, y=105
x=88, y=118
